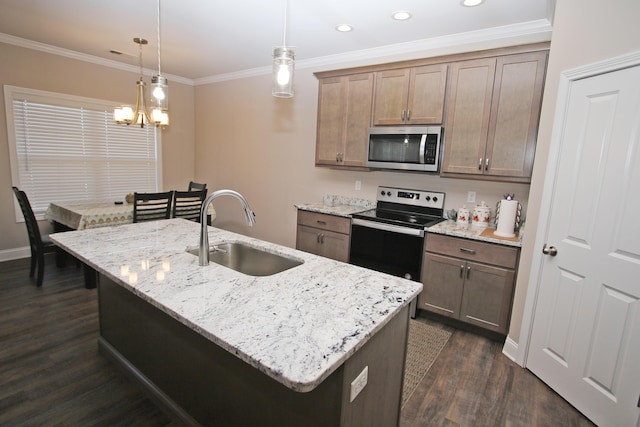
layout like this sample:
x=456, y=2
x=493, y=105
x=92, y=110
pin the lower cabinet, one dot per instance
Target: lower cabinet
x=324, y=235
x=469, y=280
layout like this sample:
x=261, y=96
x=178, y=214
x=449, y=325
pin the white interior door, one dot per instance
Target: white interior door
x=585, y=338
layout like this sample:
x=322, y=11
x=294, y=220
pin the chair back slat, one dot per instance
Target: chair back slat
x=187, y=204
x=195, y=186
x=152, y=206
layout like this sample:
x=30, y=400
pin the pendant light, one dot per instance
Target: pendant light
x=159, y=101
x=159, y=89
x=283, y=66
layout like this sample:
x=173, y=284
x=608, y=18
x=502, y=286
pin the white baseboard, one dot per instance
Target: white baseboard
x=15, y=253
x=510, y=349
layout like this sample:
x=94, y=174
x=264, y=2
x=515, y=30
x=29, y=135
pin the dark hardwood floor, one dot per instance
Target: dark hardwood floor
x=51, y=373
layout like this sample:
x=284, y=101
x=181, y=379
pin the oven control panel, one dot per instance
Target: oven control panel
x=427, y=199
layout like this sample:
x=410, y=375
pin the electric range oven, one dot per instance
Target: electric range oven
x=390, y=238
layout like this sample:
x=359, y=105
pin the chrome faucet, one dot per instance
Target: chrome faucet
x=203, y=250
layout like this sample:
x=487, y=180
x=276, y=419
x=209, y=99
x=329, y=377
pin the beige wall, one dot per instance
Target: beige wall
x=37, y=70
x=585, y=31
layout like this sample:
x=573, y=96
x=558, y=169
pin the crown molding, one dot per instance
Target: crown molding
x=539, y=30
x=71, y=54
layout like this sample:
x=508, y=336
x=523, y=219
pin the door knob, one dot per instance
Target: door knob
x=551, y=250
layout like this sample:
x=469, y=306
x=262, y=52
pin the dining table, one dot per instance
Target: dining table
x=82, y=215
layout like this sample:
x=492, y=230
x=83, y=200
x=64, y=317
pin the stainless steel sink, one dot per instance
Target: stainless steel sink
x=248, y=259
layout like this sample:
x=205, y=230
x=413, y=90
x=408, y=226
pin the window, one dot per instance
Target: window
x=65, y=148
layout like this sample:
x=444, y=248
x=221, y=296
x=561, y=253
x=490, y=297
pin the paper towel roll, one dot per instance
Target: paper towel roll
x=507, y=218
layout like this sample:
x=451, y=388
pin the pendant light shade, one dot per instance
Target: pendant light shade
x=283, y=66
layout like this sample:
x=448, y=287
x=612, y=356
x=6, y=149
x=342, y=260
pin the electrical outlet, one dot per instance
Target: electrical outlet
x=358, y=185
x=471, y=197
x=358, y=384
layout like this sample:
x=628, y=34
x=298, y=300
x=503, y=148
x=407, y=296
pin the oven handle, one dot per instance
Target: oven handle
x=388, y=227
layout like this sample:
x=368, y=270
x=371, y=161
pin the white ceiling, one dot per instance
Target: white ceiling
x=207, y=38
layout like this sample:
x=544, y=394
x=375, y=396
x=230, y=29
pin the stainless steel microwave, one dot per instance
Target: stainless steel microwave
x=411, y=148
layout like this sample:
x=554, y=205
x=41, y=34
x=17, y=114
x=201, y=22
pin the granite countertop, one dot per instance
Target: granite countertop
x=452, y=228
x=297, y=326
x=338, y=205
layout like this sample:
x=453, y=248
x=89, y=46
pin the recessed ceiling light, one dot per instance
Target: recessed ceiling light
x=401, y=15
x=344, y=28
x=471, y=3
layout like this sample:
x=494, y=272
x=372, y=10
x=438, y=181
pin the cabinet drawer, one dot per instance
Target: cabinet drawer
x=325, y=222
x=473, y=250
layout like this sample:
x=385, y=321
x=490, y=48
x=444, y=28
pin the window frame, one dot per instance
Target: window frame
x=13, y=93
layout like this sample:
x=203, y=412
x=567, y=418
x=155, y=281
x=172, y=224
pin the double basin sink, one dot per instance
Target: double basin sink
x=248, y=259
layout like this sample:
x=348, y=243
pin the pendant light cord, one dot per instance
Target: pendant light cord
x=159, y=61
x=284, y=35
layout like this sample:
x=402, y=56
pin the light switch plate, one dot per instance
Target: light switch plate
x=358, y=185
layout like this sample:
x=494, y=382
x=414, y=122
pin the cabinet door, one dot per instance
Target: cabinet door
x=308, y=240
x=391, y=97
x=323, y=242
x=425, y=104
x=515, y=111
x=468, y=112
x=344, y=117
x=331, y=112
x=335, y=245
x=357, y=120
x=442, y=279
x=486, y=300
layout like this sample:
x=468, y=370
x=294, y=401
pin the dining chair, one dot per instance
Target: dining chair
x=187, y=204
x=40, y=245
x=152, y=206
x=193, y=186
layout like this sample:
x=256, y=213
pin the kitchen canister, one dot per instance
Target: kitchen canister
x=480, y=216
x=463, y=216
x=508, y=211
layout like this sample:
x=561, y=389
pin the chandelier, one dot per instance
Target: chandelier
x=283, y=66
x=158, y=111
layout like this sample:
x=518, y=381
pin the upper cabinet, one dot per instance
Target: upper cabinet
x=344, y=117
x=493, y=107
x=488, y=103
x=410, y=96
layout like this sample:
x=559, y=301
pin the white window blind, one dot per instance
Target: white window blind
x=69, y=148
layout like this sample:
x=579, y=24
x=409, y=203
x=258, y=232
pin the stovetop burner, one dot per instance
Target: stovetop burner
x=409, y=208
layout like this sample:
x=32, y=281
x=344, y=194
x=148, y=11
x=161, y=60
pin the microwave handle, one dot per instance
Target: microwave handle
x=423, y=147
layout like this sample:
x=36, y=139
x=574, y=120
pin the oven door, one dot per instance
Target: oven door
x=387, y=248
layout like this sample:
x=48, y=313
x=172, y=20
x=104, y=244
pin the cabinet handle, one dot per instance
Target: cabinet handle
x=486, y=164
x=321, y=222
x=468, y=251
x=480, y=164
x=322, y=239
x=402, y=116
x=468, y=270
x=318, y=238
x=408, y=115
x=461, y=270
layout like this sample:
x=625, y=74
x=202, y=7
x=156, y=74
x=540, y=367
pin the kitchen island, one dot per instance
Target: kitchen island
x=217, y=347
